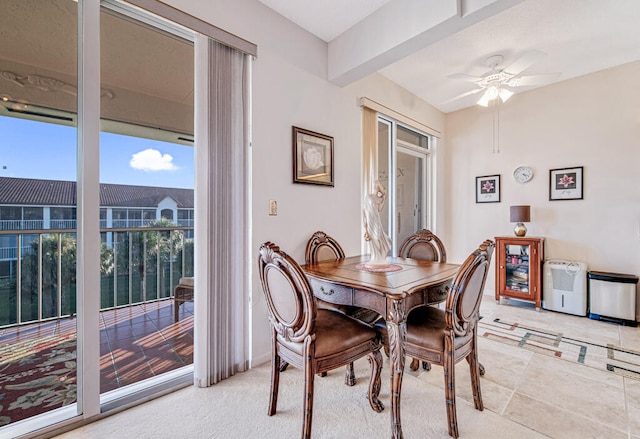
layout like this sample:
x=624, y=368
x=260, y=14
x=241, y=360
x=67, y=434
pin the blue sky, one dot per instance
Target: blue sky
x=31, y=149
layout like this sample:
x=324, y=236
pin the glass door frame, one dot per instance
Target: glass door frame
x=428, y=181
x=422, y=217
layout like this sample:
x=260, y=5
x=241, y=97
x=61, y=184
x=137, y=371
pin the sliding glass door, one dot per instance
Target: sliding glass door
x=403, y=168
x=410, y=192
x=38, y=240
x=48, y=344
x=147, y=205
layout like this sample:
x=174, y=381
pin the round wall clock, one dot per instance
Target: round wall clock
x=523, y=174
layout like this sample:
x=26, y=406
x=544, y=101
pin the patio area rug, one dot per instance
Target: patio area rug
x=613, y=358
x=37, y=376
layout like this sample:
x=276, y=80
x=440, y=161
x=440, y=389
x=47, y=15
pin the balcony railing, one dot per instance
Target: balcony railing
x=11, y=253
x=39, y=224
x=124, y=223
x=137, y=265
x=62, y=224
x=22, y=224
x=185, y=222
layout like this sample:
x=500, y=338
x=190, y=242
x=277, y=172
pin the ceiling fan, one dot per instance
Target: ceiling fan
x=498, y=82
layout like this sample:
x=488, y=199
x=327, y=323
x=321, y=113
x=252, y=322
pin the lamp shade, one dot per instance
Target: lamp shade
x=520, y=214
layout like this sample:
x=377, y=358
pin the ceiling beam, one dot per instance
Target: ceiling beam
x=400, y=28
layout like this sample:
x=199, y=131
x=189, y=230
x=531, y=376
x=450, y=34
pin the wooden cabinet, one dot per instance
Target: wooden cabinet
x=519, y=268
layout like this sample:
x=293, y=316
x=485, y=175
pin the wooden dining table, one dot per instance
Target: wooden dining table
x=392, y=294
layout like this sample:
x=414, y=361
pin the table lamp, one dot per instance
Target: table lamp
x=520, y=215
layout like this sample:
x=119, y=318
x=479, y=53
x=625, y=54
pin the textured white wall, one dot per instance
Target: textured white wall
x=592, y=121
x=290, y=88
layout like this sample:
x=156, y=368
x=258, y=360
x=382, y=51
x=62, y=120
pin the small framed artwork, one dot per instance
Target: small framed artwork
x=312, y=157
x=565, y=184
x=488, y=189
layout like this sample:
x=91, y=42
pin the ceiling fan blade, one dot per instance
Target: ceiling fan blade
x=532, y=79
x=525, y=61
x=472, y=92
x=465, y=77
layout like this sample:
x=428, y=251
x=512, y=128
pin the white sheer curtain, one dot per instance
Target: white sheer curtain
x=369, y=150
x=222, y=223
x=369, y=159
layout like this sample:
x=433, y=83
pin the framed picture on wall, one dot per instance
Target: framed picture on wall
x=488, y=189
x=312, y=157
x=565, y=184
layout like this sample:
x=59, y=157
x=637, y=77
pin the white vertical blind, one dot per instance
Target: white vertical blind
x=222, y=229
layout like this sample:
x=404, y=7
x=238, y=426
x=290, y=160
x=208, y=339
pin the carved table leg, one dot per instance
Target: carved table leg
x=397, y=331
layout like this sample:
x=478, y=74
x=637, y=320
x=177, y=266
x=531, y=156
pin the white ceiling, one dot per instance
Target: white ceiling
x=578, y=36
x=325, y=19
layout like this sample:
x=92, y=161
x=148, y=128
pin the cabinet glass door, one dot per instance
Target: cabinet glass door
x=517, y=268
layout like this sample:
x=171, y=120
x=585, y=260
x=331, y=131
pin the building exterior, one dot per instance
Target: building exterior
x=32, y=204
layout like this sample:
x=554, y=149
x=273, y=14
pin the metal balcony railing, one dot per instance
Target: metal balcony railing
x=62, y=224
x=185, y=222
x=137, y=265
x=124, y=223
x=22, y=224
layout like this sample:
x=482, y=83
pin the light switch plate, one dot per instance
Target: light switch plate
x=273, y=207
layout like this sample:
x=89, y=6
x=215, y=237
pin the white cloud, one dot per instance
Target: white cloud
x=152, y=160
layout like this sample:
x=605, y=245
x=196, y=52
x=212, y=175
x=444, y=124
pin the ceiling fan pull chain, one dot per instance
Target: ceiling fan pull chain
x=496, y=126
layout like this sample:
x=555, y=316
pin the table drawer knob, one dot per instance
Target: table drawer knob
x=327, y=293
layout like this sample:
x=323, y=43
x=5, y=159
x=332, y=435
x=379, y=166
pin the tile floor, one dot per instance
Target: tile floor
x=556, y=397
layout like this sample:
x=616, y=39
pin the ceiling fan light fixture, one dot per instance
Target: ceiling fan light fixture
x=505, y=94
x=484, y=101
x=490, y=94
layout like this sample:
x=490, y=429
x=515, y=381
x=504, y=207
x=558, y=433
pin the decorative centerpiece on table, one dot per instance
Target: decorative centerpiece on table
x=374, y=232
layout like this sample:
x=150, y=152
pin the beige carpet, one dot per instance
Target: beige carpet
x=237, y=407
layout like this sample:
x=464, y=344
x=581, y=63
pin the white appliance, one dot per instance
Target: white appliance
x=565, y=287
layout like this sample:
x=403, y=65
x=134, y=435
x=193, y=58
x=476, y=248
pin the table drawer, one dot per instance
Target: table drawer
x=330, y=292
x=437, y=293
x=366, y=299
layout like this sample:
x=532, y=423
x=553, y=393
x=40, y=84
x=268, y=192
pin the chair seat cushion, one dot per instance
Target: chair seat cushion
x=336, y=332
x=426, y=328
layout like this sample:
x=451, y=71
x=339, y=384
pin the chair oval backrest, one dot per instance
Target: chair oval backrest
x=465, y=296
x=322, y=247
x=423, y=245
x=290, y=302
